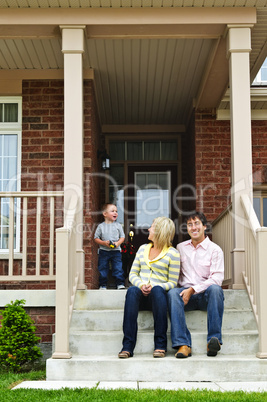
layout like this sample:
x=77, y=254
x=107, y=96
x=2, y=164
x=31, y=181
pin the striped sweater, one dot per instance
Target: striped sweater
x=162, y=271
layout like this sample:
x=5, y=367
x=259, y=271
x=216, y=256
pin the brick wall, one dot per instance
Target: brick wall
x=42, y=162
x=93, y=183
x=259, y=151
x=44, y=320
x=42, y=168
x=213, y=163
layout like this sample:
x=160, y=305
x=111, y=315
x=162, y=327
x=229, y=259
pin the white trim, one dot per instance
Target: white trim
x=34, y=298
x=259, y=114
x=13, y=125
x=14, y=128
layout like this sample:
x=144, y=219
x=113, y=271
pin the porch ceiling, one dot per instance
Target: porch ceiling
x=144, y=74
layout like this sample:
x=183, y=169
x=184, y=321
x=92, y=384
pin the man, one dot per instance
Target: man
x=199, y=288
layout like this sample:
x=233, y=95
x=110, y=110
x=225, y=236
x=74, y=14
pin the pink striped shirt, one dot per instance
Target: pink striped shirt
x=201, y=266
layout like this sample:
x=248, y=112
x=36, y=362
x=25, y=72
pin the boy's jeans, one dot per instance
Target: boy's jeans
x=136, y=301
x=212, y=301
x=104, y=257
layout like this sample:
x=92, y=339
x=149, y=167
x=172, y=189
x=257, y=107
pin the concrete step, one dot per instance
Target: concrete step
x=114, y=299
x=144, y=368
x=105, y=343
x=96, y=338
x=111, y=320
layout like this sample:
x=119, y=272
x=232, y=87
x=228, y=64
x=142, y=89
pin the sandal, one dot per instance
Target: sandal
x=124, y=354
x=159, y=353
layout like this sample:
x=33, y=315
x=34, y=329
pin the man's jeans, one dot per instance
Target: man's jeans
x=136, y=301
x=212, y=301
x=104, y=257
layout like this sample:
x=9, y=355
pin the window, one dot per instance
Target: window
x=261, y=77
x=260, y=206
x=143, y=150
x=10, y=157
x=152, y=194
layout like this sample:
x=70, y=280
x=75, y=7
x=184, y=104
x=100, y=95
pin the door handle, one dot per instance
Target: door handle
x=131, y=234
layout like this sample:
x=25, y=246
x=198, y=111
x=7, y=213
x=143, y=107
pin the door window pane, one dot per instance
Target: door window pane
x=141, y=180
x=143, y=150
x=169, y=151
x=264, y=211
x=10, y=145
x=152, y=151
x=152, y=180
x=117, y=174
x=116, y=192
x=134, y=151
x=117, y=151
x=163, y=181
x=257, y=207
x=8, y=182
x=151, y=199
x=11, y=112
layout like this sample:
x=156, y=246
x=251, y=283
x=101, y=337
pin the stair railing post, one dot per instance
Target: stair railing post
x=261, y=261
x=62, y=295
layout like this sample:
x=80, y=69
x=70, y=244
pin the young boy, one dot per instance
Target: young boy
x=109, y=235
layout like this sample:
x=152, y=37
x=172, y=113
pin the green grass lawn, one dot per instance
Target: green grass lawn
x=9, y=380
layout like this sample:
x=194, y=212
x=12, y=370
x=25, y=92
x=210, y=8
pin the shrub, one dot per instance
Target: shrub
x=18, y=342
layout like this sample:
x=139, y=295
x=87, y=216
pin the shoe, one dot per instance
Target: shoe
x=213, y=347
x=119, y=287
x=159, y=353
x=103, y=288
x=124, y=354
x=183, y=351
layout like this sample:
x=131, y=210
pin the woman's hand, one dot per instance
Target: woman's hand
x=146, y=289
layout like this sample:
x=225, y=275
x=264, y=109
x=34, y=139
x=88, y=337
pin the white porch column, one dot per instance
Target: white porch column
x=239, y=47
x=73, y=49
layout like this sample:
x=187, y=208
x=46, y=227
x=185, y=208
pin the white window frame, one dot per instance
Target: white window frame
x=258, y=79
x=14, y=128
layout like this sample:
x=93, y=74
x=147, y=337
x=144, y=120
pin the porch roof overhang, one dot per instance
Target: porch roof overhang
x=151, y=66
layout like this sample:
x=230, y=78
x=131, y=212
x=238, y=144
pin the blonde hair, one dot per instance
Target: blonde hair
x=164, y=231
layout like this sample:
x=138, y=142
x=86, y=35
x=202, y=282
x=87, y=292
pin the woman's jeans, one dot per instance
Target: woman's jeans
x=135, y=301
x=212, y=301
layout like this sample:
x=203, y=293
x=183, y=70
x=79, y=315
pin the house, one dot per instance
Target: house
x=163, y=91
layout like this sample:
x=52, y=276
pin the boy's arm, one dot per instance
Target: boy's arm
x=102, y=242
x=119, y=242
x=97, y=237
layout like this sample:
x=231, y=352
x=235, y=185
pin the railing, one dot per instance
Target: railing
x=69, y=266
x=255, y=275
x=222, y=235
x=28, y=214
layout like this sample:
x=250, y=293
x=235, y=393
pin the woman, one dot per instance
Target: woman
x=155, y=270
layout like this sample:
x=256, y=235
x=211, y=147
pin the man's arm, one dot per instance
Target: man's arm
x=186, y=294
x=216, y=275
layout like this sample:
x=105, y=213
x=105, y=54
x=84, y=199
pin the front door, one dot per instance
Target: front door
x=150, y=190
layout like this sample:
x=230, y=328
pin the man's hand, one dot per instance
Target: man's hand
x=146, y=289
x=186, y=294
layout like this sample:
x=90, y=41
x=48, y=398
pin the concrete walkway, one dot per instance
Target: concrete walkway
x=174, y=386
